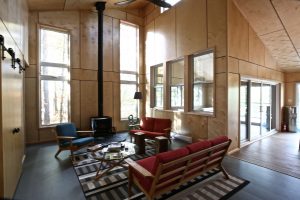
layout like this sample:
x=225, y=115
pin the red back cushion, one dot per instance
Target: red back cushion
x=198, y=146
x=147, y=123
x=161, y=124
x=172, y=155
x=219, y=140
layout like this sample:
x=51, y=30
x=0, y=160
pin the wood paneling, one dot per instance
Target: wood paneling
x=84, y=74
x=221, y=65
x=247, y=69
x=116, y=45
x=33, y=21
x=260, y=15
x=238, y=42
x=165, y=48
x=31, y=117
x=256, y=48
x=218, y=125
x=75, y=103
x=281, y=48
x=149, y=46
x=89, y=105
x=233, y=109
x=108, y=99
x=107, y=44
x=89, y=40
x=217, y=26
x=233, y=65
x=191, y=27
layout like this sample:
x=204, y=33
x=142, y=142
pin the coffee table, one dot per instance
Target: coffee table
x=113, y=158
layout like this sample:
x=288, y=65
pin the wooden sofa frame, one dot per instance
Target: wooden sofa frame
x=210, y=158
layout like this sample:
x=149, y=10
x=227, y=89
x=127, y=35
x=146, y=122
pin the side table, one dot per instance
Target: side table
x=161, y=144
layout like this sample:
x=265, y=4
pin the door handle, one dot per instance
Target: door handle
x=16, y=130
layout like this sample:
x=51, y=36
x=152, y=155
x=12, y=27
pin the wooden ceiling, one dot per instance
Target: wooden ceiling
x=277, y=23
x=80, y=4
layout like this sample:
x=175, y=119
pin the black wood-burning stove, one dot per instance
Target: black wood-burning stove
x=102, y=125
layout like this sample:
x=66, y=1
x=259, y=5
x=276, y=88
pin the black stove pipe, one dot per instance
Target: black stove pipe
x=100, y=7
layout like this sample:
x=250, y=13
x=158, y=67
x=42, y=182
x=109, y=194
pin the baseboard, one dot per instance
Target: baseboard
x=183, y=137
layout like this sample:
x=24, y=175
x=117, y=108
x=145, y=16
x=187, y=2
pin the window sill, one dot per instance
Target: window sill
x=199, y=113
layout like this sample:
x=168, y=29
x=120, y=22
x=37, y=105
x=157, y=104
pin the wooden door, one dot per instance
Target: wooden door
x=11, y=115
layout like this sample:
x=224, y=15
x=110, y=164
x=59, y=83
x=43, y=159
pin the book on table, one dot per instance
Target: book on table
x=112, y=155
x=114, y=147
x=95, y=148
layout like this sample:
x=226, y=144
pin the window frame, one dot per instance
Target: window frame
x=170, y=85
x=136, y=73
x=49, y=77
x=154, y=85
x=192, y=83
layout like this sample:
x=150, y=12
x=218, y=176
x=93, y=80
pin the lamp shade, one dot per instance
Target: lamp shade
x=138, y=95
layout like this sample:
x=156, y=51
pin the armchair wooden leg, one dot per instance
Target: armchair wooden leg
x=58, y=152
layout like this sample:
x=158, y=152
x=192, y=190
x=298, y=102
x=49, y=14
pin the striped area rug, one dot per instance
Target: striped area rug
x=114, y=186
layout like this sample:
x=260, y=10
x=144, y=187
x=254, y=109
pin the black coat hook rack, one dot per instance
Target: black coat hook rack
x=12, y=53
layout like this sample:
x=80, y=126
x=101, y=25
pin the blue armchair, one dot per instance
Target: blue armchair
x=70, y=139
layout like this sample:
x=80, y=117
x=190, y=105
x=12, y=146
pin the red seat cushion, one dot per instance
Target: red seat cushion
x=147, y=123
x=161, y=124
x=198, y=146
x=219, y=140
x=150, y=164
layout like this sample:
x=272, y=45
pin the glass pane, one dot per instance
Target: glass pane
x=177, y=96
x=204, y=67
x=266, y=108
x=55, y=47
x=177, y=72
x=203, y=97
x=255, y=110
x=128, y=104
x=55, y=71
x=128, y=47
x=159, y=96
x=54, y=102
x=128, y=77
x=159, y=75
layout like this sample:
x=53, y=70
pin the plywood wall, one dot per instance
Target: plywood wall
x=291, y=79
x=14, y=28
x=83, y=26
x=190, y=26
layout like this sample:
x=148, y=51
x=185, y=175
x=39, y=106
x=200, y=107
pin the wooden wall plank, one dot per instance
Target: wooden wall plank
x=149, y=46
x=88, y=40
x=89, y=102
x=165, y=48
x=233, y=109
x=248, y=69
x=256, y=48
x=290, y=94
x=108, y=109
x=191, y=27
x=217, y=26
x=75, y=103
x=238, y=42
x=107, y=44
x=233, y=65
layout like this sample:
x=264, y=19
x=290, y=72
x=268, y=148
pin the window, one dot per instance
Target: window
x=54, y=76
x=129, y=53
x=158, y=86
x=172, y=2
x=176, y=81
x=203, y=82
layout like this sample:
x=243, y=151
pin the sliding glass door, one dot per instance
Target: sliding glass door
x=257, y=109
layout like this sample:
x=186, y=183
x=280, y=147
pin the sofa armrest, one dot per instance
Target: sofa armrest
x=65, y=137
x=85, y=133
x=135, y=166
x=167, y=130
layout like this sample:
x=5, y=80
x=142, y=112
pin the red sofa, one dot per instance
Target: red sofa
x=153, y=127
x=159, y=174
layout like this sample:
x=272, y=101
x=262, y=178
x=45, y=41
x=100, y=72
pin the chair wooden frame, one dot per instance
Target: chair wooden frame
x=71, y=147
x=192, y=167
